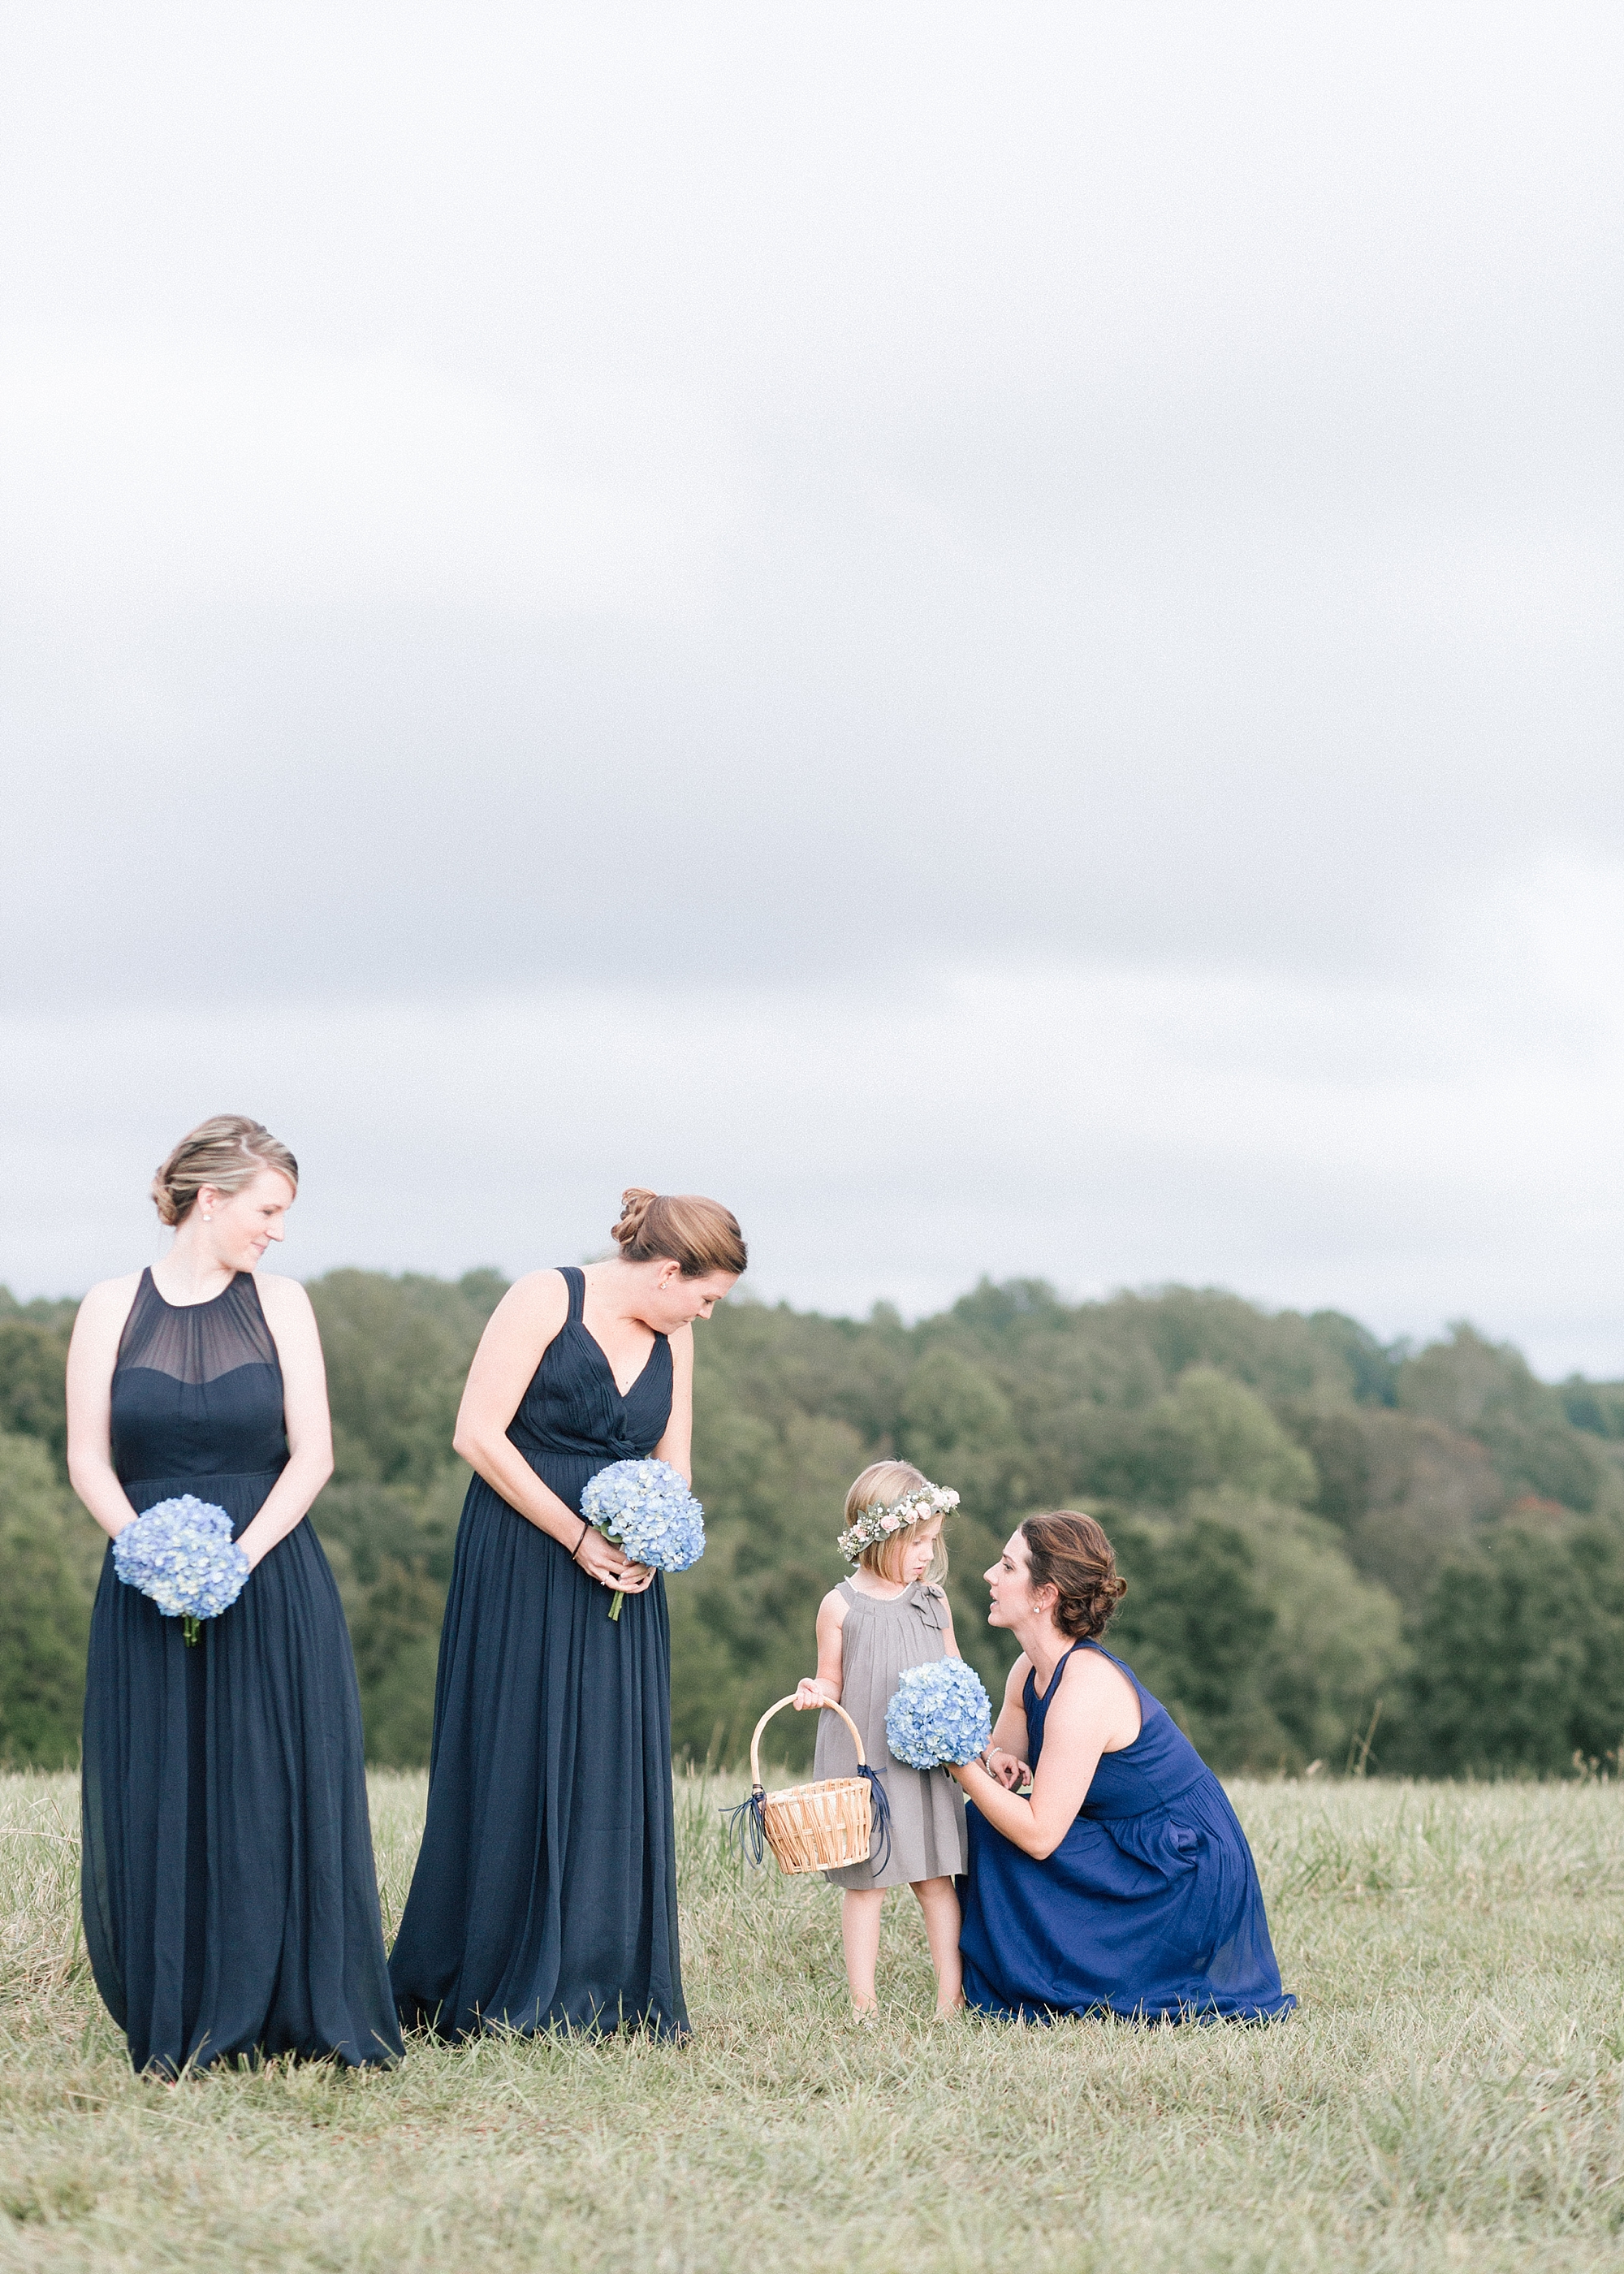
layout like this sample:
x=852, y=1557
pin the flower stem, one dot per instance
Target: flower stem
x=191, y=1627
x=614, y=1607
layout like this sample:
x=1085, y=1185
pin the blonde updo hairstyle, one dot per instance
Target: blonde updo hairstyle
x=682, y=1228
x=227, y=1152
x=881, y=1485
x=1071, y=1553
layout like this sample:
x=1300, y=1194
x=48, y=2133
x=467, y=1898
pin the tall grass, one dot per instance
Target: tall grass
x=1448, y=2096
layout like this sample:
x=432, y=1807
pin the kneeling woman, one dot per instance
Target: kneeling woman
x=1125, y=1883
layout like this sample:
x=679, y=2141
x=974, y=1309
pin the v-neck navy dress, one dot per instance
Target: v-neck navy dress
x=545, y=1892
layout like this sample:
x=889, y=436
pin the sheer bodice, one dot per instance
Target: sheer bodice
x=197, y=1388
x=229, y=1903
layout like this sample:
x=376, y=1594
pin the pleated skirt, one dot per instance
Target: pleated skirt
x=230, y=1901
x=1157, y=1917
x=545, y=1892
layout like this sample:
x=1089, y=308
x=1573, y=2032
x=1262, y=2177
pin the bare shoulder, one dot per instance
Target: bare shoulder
x=109, y=1295
x=681, y=1341
x=833, y=1607
x=283, y=1300
x=534, y=1297
x=1094, y=1685
x=1015, y=1688
x=526, y=1320
x=104, y=1308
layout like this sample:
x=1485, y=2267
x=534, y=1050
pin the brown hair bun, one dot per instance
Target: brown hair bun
x=700, y=1235
x=1070, y=1554
x=227, y=1151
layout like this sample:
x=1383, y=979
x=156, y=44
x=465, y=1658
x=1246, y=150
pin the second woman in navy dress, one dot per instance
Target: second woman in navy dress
x=1125, y=1883
x=544, y=1894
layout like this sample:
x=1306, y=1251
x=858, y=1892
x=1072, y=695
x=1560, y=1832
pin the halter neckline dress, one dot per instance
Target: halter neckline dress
x=1150, y=1906
x=545, y=1892
x=230, y=1903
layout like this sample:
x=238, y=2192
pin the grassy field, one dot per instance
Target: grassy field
x=1449, y=2094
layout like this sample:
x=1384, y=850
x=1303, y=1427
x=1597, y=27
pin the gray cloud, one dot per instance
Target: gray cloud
x=715, y=509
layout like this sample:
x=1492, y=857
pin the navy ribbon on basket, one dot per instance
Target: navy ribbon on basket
x=746, y=1823
x=881, y=1818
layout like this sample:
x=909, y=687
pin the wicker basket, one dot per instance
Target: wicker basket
x=815, y=1828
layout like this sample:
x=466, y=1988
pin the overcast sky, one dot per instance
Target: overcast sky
x=992, y=633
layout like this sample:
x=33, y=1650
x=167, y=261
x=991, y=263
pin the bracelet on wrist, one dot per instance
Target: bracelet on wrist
x=575, y=1550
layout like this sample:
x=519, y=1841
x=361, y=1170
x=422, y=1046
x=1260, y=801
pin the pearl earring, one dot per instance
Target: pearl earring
x=206, y=1217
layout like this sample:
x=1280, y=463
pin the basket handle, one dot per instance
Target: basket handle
x=828, y=1707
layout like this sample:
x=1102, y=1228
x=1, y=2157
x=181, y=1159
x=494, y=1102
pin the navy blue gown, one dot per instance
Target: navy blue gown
x=229, y=1899
x=1149, y=1907
x=545, y=1892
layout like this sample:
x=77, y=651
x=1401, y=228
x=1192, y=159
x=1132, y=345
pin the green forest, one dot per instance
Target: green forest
x=1374, y=1558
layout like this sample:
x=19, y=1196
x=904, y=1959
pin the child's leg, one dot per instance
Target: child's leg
x=859, y=1933
x=938, y=1899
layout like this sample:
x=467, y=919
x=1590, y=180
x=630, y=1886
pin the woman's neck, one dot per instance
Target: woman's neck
x=618, y=1292
x=191, y=1273
x=1045, y=1646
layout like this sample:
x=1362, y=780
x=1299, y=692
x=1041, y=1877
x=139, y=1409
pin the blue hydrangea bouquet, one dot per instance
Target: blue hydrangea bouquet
x=182, y=1554
x=940, y=1713
x=646, y=1508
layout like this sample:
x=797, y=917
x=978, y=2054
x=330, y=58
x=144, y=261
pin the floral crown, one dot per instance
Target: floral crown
x=884, y=1519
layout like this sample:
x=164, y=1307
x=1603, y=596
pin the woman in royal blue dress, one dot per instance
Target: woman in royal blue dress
x=229, y=1901
x=1124, y=1884
x=545, y=1892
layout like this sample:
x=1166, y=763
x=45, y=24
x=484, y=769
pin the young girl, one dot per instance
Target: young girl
x=890, y=1613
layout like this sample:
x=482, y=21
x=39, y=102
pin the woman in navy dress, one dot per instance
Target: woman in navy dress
x=1124, y=1884
x=229, y=1900
x=545, y=1892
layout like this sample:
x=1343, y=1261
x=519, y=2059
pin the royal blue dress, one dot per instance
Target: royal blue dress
x=229, y=1900
x=545, y=1892
x=1149, y=1907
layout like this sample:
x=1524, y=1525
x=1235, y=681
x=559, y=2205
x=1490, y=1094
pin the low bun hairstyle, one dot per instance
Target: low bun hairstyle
x=1070, y=1554
x=700, y=1235
x=227, y=1151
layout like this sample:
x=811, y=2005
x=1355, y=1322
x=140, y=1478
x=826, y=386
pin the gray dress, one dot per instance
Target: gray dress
x=928, y=1840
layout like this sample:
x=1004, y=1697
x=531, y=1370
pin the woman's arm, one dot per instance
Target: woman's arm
x=517, y=1332
x=823, y=1688
x=1006, y=1755
x=92, y=1354
x=294, y=1331
x=1095, y=1708
x=677, y=1445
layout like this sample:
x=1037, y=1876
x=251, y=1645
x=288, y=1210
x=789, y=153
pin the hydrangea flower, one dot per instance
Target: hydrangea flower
x=181, y=1553
x=940, y=1712
x=647, y=1508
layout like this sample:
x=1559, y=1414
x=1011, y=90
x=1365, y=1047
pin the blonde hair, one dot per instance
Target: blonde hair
x=882, y=1483
x=227, y=1151
x=681, y=1228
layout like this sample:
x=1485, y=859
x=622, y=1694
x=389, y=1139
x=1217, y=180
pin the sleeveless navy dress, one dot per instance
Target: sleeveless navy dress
x=229, y=1899
x=545, y=1892
x=1149, y=1907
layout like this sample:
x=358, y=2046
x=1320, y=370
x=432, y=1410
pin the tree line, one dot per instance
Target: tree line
x=1339, y=1551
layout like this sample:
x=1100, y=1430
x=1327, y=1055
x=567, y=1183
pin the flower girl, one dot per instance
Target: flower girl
x=890, y=1613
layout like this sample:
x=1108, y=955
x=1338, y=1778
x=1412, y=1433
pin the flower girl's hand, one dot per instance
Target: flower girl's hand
x=810, y=1693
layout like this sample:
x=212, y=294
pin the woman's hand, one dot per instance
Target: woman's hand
x=1011, y=1771
x=601, y=1559
x=810, y=1693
